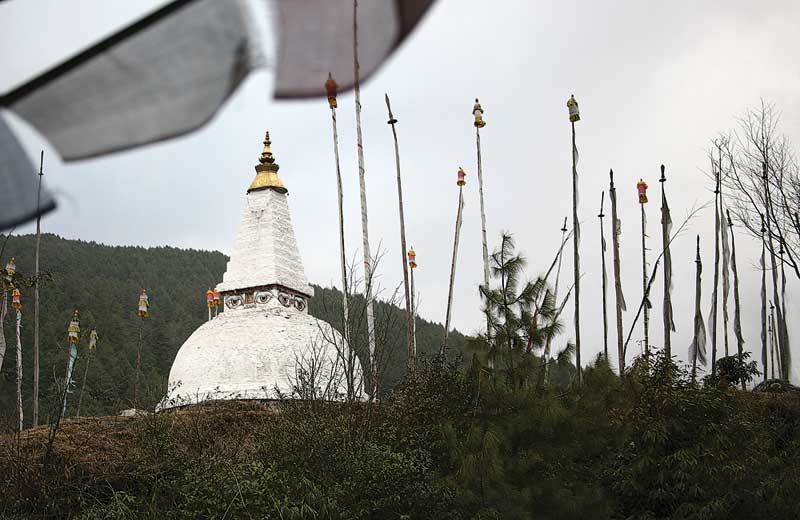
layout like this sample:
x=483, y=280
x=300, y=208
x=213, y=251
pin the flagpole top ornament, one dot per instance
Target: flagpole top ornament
x=267, y=171
x=461, y=176
x=641, y=187
x=477, y=112
x=574, y=111
x=663, y=177
x=412, y=258
x=331, y=87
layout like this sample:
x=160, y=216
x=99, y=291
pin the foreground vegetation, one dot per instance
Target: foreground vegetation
x=451, y=443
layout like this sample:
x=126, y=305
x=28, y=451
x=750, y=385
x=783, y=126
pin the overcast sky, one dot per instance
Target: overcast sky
x=655, y=82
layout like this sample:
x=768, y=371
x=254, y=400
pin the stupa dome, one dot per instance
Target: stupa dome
x=264, y=345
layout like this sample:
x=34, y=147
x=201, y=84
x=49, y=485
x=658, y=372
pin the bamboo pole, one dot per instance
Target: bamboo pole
x=368, y=265
x=412, y=355
x=737, y=321
x=666, y=224
x=618, y=296
x=331, y=87
x=572, y=105
x=479, y=123
x=453, y=266
x=36, y=298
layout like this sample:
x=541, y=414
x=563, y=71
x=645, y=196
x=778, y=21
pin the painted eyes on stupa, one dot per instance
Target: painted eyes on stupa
x=263, y=297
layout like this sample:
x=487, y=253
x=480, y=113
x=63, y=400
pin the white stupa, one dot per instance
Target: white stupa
x=264, y=345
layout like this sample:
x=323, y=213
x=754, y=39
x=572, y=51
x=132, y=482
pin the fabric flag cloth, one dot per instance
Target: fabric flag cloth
x=18, y=183
x=168, y=73
x=616, y=231
x=697, y=349
x=726, y=267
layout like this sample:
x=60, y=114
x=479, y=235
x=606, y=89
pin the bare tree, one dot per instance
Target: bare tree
x=759, y=169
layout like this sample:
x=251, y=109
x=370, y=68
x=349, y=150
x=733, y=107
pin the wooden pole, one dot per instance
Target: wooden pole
x=478, y=125
x=19, y=371
x=576, y=259
x=340, y=200
x=764, y=351
x=138, y=364
x=644, y=282
x=560, y=256
x=774, y=268
x=412, y=355
x=453, y=269
x=601, y=215
x=83, y=385
x=619, y=298
x=368, y=265
x=697, y=343
x=666, y=222
x=737, y=321
x=714, y=293
x=35, y=421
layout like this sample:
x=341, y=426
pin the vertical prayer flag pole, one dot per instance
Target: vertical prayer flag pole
x=209, y=302
x=574, y=115
x=618, y=296
x=143, y=312
x=782, y=346
x=560, y=256
x=16, y=304
x=764, y=351
x=368, y=265
x=92, y=346
x=771, y=332
x=478, y=123
x=697, y=349
x=412, y=355
x=461, y=182
x=714, y=297
x=641, y=187
x=783, y=331
x=217, y=302
x=36, y=299
x=412, y=263
x=666, y=227
x=73, y=337
x=737, y=322
x=331, y=88
x=601, y=215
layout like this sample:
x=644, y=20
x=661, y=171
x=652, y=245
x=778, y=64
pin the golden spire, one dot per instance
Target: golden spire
x=267, y=171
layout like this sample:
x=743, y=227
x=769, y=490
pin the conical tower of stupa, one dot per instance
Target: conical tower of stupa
x=264, y=344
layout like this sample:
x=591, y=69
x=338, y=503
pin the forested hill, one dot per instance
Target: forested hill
x=104, y=282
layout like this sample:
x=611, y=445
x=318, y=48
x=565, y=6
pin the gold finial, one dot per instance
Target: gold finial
x=267, y=171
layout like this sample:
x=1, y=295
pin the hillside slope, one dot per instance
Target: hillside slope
x=104, y=282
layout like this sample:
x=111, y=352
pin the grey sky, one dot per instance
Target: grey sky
x=655, y=82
